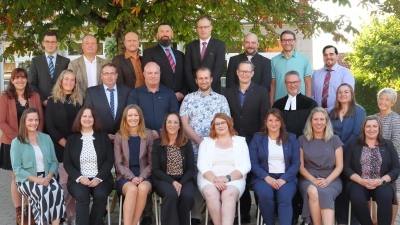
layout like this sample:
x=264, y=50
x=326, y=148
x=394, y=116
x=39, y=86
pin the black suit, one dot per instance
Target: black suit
x=214, y=59
x=173, y=80
x=39, y=74
x=72, y=164
x=126, y=72
x=262, y=70
x=96, y=97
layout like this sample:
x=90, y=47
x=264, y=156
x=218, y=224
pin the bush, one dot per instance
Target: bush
x=366, y=96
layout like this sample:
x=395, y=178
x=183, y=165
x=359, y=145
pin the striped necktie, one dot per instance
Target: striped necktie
x=203, y=50
x=111, y=90
x=325, y=89
x=51, y=65
x=170, y=59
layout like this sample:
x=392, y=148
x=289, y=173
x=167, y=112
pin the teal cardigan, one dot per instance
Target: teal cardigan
x=23, y=158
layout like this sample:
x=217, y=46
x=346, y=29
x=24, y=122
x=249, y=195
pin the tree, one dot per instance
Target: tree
x=376, y=55
x=23, y=22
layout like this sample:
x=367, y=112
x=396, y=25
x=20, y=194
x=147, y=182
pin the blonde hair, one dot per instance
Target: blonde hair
x=58, y=94
x=124, y=127
x=308, y=131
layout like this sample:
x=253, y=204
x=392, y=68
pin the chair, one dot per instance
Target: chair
x=157, y=207
x=349, y=217
x=121, y=197
x=260, y=220
x=23, y=210
x=238, y=212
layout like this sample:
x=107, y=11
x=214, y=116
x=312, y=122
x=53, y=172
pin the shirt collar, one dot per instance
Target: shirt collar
x=208, y=40
x=47, y=55
x=201, y=93
x=169, y=47
x=293, y=55
x=158, y=89
x=251, y=84
x=105, y=87
x=334, y=67
x=86, y=60
x=129, y=55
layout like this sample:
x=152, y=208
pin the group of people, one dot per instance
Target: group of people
x=296, y=138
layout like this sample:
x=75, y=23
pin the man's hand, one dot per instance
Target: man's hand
x=112, y=137
x=179, y=96
x=44, y=103
x=155, y=134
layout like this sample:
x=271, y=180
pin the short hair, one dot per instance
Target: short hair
x=165, y=24
x=338, y=106
x=180, y=140
x=204, y=17
x=110, y=65
x=248, y=63
x=50, y=33
x=361, y=138
x=58, y=94
x=11, y=92
x=23, y=131
x=203, y=68
x=87, y=35
x=77, y=126
x=124, y=127
x=283, y=136
x=329, y=46
x=288, y=32
x=292, y=72
x=390, y=92
x=229, y=122
x=308, y=131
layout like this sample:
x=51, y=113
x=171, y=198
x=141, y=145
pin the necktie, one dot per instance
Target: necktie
x=325, y=89
x=111, y=90
x=203, y=51
x=51, y=65
x=170, y=59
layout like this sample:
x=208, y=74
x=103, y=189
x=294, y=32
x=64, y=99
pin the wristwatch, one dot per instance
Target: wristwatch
x=383, y=181
x=229, y=178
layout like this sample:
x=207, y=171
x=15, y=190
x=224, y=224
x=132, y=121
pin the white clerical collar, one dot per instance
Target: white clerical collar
x=291, y=103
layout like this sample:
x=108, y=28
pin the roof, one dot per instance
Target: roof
x=340, y=61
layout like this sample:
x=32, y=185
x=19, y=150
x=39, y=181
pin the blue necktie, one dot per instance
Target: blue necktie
x=51, y=65
x=111, y=90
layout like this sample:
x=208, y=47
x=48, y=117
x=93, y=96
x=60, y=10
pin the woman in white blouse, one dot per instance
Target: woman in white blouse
x=223, y=164
x=88, y=159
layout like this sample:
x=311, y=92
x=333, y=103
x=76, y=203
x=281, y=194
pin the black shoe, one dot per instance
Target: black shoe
x=243, y=219
x=146, y=220
x=195, y=221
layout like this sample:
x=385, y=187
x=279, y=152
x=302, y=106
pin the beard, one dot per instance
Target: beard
x=164, y=42
x=250, y=51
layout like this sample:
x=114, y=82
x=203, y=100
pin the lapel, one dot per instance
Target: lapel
x=265, y=146
x=164, y=58
x=121, y=103
x=78, y=147
x=128, y=63
x=82, y=68
x=249, y=95
x=98, y=69
x=209, y=48
x=197, y=49
x=103, y=96
x=285, y=149
x=43, y=60
x=11, y=105
x=143, y=149
x=125, y=150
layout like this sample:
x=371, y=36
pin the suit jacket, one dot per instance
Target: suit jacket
x=126, y=72
x=9, y=117
x=121, y=157
x=23, y=159
x=351, y=125
x=79, y=67
x=104, y=152
x=159, y=163
x=96, y=97
x=175, y=81
x=248, y=119
x=39, y=74
x=259, y=158
x=214, y=59
x=262, y=70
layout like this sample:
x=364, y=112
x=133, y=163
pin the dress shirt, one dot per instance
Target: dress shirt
x=170, y=51
x=201, y=43
x=54, y=58
x=137, y=67
x=339, y=75
x=115, y=96
x=281, y=65
x=91, y=71
x=242, y=96
x=88, y=157
x=291, y=103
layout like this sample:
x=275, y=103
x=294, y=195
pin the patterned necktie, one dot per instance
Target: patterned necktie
x=203, y=51
x=111, y=90
x=170, y=59
x=51, y=65
x=325, y=89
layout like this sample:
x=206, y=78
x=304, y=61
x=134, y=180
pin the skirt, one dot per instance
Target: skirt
x=121, y=182
x=47, y=202
x=5, y=159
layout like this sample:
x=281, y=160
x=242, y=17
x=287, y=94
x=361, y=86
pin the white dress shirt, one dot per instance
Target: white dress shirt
x=91, y=71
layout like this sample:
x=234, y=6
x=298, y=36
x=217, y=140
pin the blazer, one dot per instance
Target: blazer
x=23, y=159
x=96, y=97
x=175, y=81
x=104, y=152
x=39, y=74
x=351, y=125
x=262, y=70
x=9, y=118
x=79, y=67
x=121, y=156
x=126, y=72
x=390, y=161
x=248, y=119
x=240, y=156
x=214, y=59
x=159, y=163
x=259, y=158
x=57, y=125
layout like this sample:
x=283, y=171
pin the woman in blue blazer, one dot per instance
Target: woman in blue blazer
x=275, y=162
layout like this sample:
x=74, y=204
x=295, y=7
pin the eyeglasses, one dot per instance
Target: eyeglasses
x=109, y=74
x=50, y=42
x=292, y=83
x=203, y=27
x=242, y=72
x=287, y=40
x=170, y=122
x=220, y=123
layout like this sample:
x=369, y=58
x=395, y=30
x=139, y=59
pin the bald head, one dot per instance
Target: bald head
x=250, y=44
x=151, y=74
x=131, y=42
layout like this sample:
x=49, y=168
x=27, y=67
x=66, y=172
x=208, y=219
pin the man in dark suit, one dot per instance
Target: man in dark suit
x=262, y=65
x=205, y=52
x=129, y=64
x=108, y=99
x=46, y=69
x=248, y=103
x=171, y=61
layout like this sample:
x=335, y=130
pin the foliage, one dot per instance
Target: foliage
x=366, y=96
x=376, y=55
x=111, y=49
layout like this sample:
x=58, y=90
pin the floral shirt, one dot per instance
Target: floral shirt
x=391, y=129
x=200, y=109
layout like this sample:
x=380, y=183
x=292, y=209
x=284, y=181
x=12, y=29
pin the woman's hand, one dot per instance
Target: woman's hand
x=94, y=182
x=220, y=185
x=271, y=181
x=281, y=182
x=177, y=187
x=137, y=180
x=373, y=183
x=84, y=180
x=321, y=182
x=223, y=179
x=42, y=181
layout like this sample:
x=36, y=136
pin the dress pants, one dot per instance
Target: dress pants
x=82, y=195
x=175, y=209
